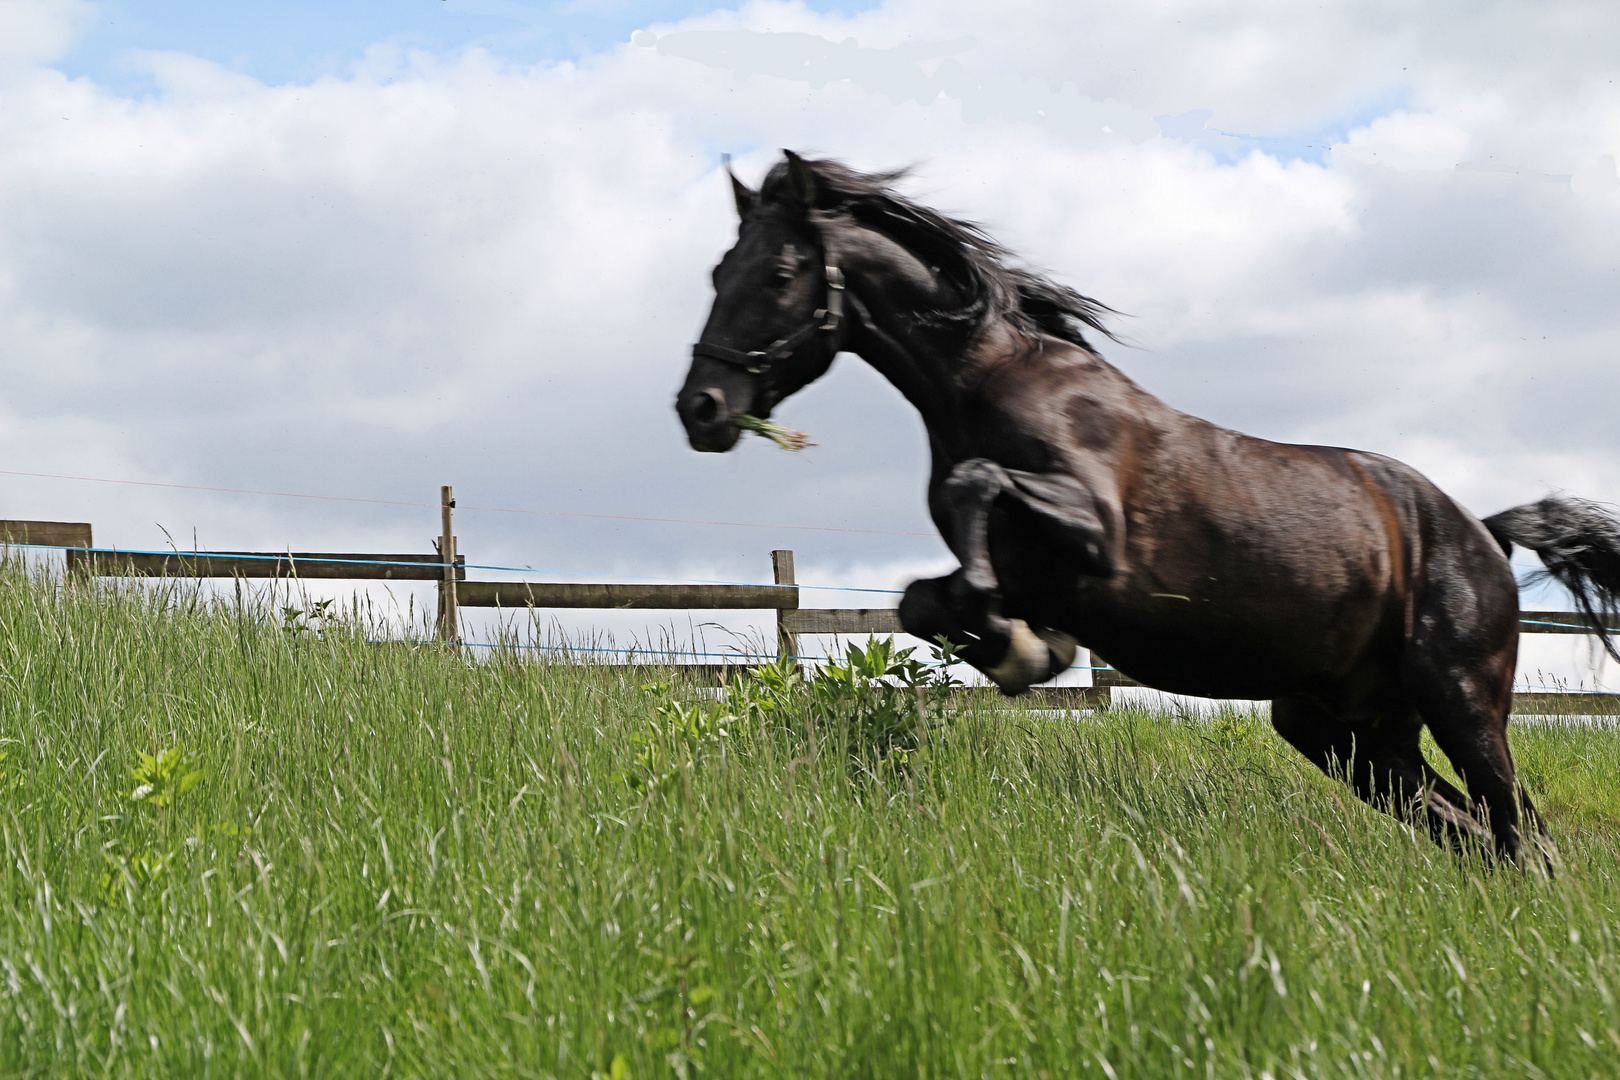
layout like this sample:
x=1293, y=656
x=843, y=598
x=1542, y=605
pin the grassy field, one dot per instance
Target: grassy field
x=234, y=850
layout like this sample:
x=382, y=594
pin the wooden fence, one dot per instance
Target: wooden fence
x=782, y=597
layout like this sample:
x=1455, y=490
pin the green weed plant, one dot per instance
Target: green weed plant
x=875, y=703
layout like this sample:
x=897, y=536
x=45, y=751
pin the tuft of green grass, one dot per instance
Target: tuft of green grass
x=785, y=437
x=386, y=859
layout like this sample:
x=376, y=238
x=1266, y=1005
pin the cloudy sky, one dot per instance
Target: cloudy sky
x=362, y=248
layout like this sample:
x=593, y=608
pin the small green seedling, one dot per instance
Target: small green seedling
x=161, y=779
x=297, y=621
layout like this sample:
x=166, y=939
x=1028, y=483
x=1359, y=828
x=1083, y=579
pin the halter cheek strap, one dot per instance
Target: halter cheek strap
x=826, y=320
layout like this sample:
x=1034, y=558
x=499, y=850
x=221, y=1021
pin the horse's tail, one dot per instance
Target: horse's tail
x=1579, y=544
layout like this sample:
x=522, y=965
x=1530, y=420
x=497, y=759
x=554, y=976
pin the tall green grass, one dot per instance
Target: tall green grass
x=396, y=862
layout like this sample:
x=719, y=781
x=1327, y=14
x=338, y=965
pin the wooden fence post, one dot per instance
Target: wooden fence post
x=787, y=642
x=76, y=564
x=449, y=616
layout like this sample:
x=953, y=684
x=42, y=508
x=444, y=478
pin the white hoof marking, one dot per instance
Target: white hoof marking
x=1025, y=662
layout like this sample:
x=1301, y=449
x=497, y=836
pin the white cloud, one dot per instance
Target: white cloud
x=38, y=31
x=1406, y=141
x=451, y=268
x=1596, y=180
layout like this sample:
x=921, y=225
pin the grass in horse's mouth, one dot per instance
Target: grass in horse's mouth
x=785, y=437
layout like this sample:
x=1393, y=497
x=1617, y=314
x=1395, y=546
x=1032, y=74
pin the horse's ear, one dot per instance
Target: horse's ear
x=801, y=180
x=740, y=191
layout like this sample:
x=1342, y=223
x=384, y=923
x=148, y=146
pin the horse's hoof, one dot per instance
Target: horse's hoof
x=1026, y=662
x=1063, y=649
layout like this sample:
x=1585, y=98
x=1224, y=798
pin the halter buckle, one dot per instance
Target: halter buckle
x=833, y=313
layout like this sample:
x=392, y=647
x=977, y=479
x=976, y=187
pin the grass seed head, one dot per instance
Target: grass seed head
x=785, y=437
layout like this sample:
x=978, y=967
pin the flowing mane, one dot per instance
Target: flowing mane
x=976, y=264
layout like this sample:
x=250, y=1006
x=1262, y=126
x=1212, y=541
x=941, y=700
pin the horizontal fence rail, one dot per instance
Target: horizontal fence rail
x=248, y=564
x=456, y=591
x=64, y=534
x=521, y=594
x=1559, y=622
x=842, y=621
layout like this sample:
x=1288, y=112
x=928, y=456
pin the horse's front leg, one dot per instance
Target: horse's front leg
x=1010, y=652
x=966, y=606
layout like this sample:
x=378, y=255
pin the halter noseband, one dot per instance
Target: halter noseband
x=759, y=361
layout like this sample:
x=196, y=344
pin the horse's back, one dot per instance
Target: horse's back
x=1255, y=568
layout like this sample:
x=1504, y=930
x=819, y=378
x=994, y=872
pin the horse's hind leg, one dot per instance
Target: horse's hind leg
x=1383, y=763
x=1467, y=712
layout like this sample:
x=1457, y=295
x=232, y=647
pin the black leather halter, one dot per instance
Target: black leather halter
x=759, y=362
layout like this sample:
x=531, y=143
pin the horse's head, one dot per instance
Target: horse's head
x=778, y=311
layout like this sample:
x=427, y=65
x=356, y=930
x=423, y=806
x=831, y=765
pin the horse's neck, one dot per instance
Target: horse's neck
x=920, y=373
x=944, y=374
x=892, y=292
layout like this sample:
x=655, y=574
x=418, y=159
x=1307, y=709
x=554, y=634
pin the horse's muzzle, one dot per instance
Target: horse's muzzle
x=708, y=420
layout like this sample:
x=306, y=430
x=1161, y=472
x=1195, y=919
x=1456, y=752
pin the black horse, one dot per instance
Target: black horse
x=1342, y=585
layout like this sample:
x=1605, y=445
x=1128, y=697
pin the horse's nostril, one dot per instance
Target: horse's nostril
x=707, y=407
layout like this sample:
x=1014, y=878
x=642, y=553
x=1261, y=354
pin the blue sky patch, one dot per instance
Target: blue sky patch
x=292, y=41
x=1202, y=126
